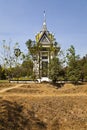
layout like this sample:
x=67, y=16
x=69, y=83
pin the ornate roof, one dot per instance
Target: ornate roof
x=44, y=34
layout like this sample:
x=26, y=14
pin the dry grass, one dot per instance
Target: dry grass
x=44, y=107
x=5, y=85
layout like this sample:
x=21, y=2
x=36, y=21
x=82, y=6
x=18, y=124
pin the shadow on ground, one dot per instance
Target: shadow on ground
x=58, y=85
x=12, y=117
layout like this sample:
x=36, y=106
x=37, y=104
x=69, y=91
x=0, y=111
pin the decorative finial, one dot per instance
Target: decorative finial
x=44, y=23
x=44, y=16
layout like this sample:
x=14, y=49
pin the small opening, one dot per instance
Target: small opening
x=44, y=57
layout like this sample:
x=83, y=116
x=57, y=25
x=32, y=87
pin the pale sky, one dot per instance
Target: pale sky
x=20, y=20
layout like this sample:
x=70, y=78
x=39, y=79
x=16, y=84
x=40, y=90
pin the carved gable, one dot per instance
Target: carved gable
x=44, y=39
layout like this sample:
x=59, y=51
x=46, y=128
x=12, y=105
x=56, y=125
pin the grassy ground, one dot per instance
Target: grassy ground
x=4, y=81
x=43, y=107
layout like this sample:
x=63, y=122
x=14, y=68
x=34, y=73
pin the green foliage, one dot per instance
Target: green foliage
x=13, y=67
x=2, y=73
x=83, y=66
x=73, y=68
x=17, y=52
x=55, y=48
x=55, y=69
x=32, y=47
x=27, y=68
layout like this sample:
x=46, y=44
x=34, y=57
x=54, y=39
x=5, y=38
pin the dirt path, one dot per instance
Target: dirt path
x=6, y=89
x=48, y=95
x=46, y=92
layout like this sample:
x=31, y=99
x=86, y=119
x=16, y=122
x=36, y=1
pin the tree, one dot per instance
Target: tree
x=27, y=68
x=83, y=66
x=73, y=66
x=17, y=53
x=2, y=73
x=17, y=57
x=7, y=58
x=32, y=47
x=55, y=69
x=34, y=51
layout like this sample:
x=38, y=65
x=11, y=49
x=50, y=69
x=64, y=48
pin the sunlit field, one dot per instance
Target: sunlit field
x=43, y=106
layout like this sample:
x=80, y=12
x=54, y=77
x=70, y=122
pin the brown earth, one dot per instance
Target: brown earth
x=43, y=107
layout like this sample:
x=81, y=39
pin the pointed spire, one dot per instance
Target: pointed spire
x=44, y=23
x=44, y=16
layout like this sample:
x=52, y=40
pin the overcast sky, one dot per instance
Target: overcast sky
x=20, y=20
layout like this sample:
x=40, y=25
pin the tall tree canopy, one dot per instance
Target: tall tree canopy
x=73, y=68
x=55, y=69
